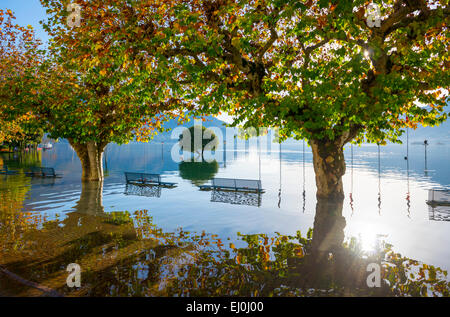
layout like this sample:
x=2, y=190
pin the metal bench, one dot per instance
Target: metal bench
x=146, y=179
x=230, y=184
x=42, y=172
x=5, y=171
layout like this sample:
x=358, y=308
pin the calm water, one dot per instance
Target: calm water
x=385, y=196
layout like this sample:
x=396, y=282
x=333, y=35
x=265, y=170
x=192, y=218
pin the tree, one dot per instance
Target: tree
x=20, y=131
x=319, y=70
x=100, y=89
x=198, y=139
x=18, y=54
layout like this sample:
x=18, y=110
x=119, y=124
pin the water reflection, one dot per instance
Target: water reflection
x=91, y=198
x=147, y=191
x=198, y=172
x=123, y=254
x=43, y=223
x=236, y=197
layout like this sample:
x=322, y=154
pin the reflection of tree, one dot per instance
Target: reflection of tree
x=198, y=172
x=320, y=264
x=123, y=254
x=22, y=160
x=14, y=222
x=91, y=198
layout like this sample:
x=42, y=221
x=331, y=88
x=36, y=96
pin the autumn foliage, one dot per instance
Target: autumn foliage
x=18, y=54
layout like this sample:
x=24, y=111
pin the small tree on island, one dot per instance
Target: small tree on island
x=197, y=139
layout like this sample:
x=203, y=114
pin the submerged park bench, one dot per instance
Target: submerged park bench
x=42, y=172
x=5, y=171
x=231, y=184
x=146, y=179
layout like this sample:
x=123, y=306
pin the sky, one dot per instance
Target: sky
x=27, y=12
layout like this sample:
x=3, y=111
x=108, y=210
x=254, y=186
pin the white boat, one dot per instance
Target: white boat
x=47, y=146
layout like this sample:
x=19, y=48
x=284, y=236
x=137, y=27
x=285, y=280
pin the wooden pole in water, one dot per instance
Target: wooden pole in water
x=379, y=181
x=425, y=143
x=407, y=144
x=351, y=180
x=259, y=156
x=235, y=143
x=304, y=177
x=279, y=193
x=224, y=153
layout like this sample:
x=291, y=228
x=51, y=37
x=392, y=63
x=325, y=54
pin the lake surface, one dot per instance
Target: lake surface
x=385, y=196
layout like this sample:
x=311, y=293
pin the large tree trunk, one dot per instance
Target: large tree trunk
x=329, y=167
x=91, y=157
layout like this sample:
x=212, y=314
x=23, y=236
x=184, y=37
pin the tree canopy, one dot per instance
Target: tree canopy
x=198, y=139
x=19, y=53
x=108, y=90
x=314, y=68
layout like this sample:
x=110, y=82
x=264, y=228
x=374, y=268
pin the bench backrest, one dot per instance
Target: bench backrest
x=224, y=182
x=237, y=183
x=50, y=171
x=142, y=177
x=151, y=178
x=248, y=183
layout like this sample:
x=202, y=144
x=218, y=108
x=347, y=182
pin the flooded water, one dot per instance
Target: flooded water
x=115, y=232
